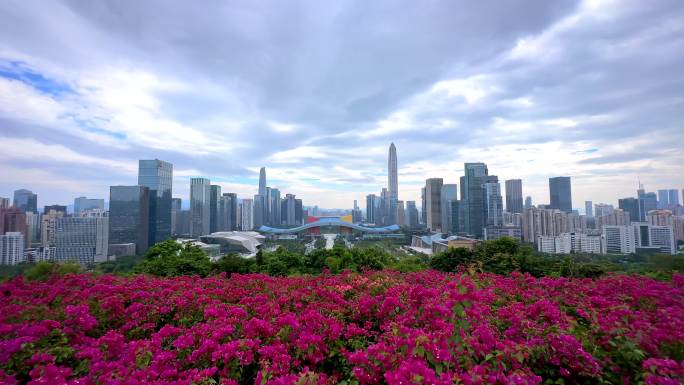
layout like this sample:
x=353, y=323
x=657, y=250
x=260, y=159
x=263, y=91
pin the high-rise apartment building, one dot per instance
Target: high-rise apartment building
x=129, y=216
x=658, y=238
x=514, y=197
x=200, y=210
x=473, y=197
x=433, y=194
x=82, y=203
x=26, y=200
x=12, y=248
x=618, y=240
x=560, y=193
x=157, y=176
x=80, y=239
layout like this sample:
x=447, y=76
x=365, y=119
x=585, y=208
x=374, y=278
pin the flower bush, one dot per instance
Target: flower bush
x=352, y=328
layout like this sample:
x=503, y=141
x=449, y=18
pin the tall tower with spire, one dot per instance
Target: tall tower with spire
x=262, y=182
x=392, y=174
x=393, y=185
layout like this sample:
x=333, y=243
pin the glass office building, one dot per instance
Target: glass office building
x=157, y=176
x=129, y=222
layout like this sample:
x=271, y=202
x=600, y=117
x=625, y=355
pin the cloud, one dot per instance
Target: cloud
x=316, y=92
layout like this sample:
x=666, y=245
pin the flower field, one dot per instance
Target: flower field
x=369, y=328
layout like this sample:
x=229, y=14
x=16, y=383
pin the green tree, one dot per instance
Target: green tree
x=171, y=258
x=42, y=271
x=232, y=263
x=452, y=258
x=282, y=262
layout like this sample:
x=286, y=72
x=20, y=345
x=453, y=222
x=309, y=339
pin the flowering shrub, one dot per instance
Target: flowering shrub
x=353, y=328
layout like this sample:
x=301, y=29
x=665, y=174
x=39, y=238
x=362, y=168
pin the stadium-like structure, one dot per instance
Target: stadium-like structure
x=316, y=224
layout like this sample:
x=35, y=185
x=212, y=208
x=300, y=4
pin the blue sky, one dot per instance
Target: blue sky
x=316, y=91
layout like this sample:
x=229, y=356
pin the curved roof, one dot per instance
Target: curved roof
x=329, y=221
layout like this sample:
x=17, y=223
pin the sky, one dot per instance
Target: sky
x=315, y=91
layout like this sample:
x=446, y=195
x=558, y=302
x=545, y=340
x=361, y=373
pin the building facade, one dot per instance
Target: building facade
x=129, y=221
x=157, y=176
x=514, y=197
x=84, y=203
x=433, y=193
x=12, y=248
x=560, y=193
x=200, y=209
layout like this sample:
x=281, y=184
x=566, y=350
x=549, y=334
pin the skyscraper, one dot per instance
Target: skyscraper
x=631, y=206
x=560, y=193
x=26, y=200
x=247, y=215
x=259, y=210
x=392, y=183
x=493, y=202
x=200, y=210
x=129, y=221
x=647, y=202
x=157, y=176
x=234, y=218
x=423, y=206
x=448, y=194
x=82, y=203
x=288, y=210
x=589, y=208
x=176, y=208
x=433, y=193
x=473, y=198
x=411, y=215
x=514, y=197
x=262, y=181
x=273, y=206
x=4, y=203
x=224, y=219
x=672, y=197
x=370, y=208
x=528, y=202
x=663, y=199
x=214, y=202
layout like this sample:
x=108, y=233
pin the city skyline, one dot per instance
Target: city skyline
x=261, y=185
x=586, y=89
